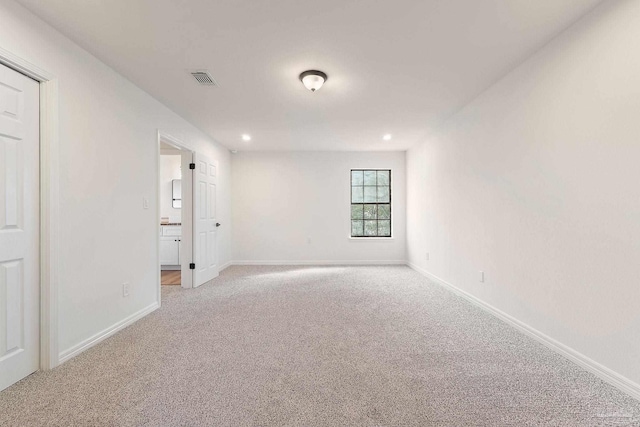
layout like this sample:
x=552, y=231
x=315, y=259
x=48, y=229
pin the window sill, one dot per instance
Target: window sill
x=367, y=239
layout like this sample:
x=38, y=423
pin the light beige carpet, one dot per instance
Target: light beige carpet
x=317, y=346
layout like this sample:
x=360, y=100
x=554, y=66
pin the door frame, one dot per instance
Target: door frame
x=49, y=203
x=186, y=248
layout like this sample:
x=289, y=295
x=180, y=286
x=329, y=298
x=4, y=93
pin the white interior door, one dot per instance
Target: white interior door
x=19, y=226
x=205, y=223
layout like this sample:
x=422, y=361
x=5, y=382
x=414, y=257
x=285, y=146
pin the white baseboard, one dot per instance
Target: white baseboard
x=321, y=262
x=106, y=333
x=225, y=266
x=618, y=381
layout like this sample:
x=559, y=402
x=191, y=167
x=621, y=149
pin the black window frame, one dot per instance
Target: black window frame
x=351, y=204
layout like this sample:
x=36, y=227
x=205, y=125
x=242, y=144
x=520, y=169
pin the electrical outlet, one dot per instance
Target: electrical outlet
x=145, y=203
x=482, y=277
x=427, y=257
x=125, y=289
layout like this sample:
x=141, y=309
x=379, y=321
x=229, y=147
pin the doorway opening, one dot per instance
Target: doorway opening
x=175, y=203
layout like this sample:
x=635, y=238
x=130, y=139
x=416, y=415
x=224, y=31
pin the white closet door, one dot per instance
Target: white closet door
x=205, y=245
x=19, y=226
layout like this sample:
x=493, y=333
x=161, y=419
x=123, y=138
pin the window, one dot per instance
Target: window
x=370, y=203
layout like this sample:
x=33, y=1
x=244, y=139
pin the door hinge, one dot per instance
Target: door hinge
x=192, y=266
x=192, y=165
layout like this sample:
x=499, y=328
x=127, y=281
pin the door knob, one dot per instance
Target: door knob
x=218, y=224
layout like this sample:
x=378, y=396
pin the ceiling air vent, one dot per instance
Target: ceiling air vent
x=204, y=78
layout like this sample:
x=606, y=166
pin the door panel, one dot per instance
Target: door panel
x=19, y=226
x=10, y=309
x=12, y=105
x=205, y=218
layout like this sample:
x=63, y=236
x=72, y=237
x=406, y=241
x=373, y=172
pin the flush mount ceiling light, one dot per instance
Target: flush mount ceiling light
x=313, y=79
x=387, y=137
x=246, y=137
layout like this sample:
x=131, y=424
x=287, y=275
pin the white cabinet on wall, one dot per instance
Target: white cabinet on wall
x=170, y=237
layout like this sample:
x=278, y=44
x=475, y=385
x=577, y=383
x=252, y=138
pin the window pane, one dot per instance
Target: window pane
x=369, y=194
x=371, y=228
x=383, y=177
x=357, y=228
x=383, y=194
x=357, y=195
x=357, y=211
x=369, y=177
x=370, y=203
x=370, y=212
x=384, y=212
x=384, y=228
x=357, y=178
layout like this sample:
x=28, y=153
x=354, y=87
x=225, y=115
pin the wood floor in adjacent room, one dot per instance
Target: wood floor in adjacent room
x=317, y=346
x=170, y=277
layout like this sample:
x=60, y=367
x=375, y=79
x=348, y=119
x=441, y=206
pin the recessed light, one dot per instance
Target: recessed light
x=387, y=137
x=246, y=137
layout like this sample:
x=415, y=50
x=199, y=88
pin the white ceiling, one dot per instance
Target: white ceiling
x=398, y=67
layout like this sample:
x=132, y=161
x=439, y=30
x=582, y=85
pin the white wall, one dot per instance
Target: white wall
x=282, y=199
x=108, y=163
x=537, y=183
x=169, y=170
